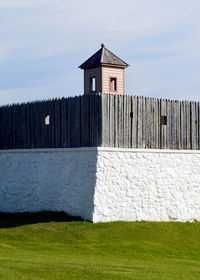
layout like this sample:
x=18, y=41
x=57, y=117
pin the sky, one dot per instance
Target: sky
x=42, y=43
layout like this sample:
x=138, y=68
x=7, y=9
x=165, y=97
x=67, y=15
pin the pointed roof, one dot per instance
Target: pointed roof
x=103, y=56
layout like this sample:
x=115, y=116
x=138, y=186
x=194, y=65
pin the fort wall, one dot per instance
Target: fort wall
x=103, y=184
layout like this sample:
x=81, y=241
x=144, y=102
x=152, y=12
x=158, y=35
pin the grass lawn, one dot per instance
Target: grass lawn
x=55, y=246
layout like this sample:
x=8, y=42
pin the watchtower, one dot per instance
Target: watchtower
x=104, y=72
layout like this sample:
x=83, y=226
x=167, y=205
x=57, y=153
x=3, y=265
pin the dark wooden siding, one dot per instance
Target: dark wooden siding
x=74, y=122
x=135, y=122
x=106, y=120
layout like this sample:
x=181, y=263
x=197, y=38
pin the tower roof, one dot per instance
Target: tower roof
x=103, y=56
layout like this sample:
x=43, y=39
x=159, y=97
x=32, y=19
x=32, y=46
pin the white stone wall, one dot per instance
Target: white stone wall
x=48, y=179
x=103, y=184
x=151, y=185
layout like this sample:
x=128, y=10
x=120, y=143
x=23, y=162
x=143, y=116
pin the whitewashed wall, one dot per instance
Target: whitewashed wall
x=102, y=184
x=151, y=185
x=48, y=179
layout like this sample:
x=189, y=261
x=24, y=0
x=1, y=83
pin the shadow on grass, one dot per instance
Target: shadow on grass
x=8, y=220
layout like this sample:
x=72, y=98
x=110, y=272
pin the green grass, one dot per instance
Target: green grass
x=56, y=246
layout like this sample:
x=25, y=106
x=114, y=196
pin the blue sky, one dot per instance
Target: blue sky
x=42, y=43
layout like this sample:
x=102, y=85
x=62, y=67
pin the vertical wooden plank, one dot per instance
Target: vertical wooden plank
x=139, y=123
x=120, y=116
x=130, y=117
x=23, y=118
x=172, y=146
x=8, y=126
x=52, y=134
x=72, y=119
x=40, y=124
x=43, y=125
x=8, y=122
x=15, y=126
x=35, y=130
x=94, y=124
x=7, y=144
x=56, y=123
x=135, y=122
x=184, y=117
x=103, y=119
x=37, y=120
x=33, y=125
x=155, y=122
x=99, y=120
x=1, y=127
x=72, y=123
x=68, y=124
x=44, y=107
x=178, y=144
x=197, y=125
x=184, y=125
x=4, y=127
x=168, y=132
x=126, y=122
x=24, y=122
x=143, y=115
x=92, y=120
x=192, y=129
x=111, y=120
x=87, y=121
x=116, y=120
x=63, y=122
x=188, y=126
x=193, y=126
x=54, y=110
x=77, y=121
x=163, y=127
x=181, y=124
x=174, y=125
x=106, y=120
x=147, y=127
x=52, y=123
x=30, y=125
x=152, y=124
x=83, y=121
x=27, y=124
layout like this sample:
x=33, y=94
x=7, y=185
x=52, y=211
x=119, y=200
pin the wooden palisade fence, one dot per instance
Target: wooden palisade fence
x=73, y=122
x=101, y=120
x=137, y=122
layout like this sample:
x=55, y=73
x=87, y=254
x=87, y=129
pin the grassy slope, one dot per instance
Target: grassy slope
x=37, y=248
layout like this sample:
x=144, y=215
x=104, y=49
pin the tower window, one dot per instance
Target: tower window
x=113, y=84
x=47, y=120
x=93, y=84
x=163, y=120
